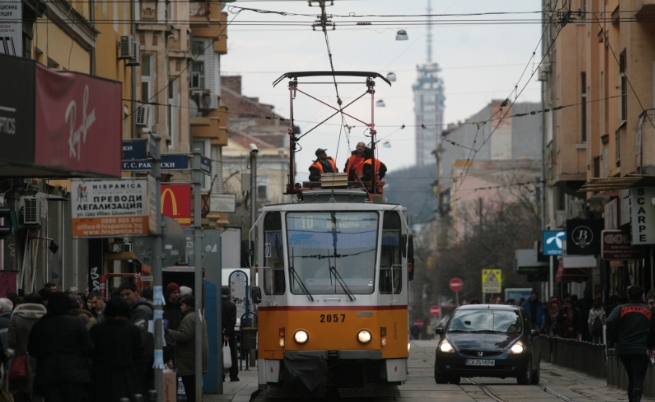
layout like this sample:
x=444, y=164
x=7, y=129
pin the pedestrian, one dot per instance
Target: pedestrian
x=367, y=168
x=185, y=348
x=97, y=303
x=552, y=314
x=22, y=320
x=229, y=317
x=355, y=164
x=535, y=311
x=322, y=164
x=612, y=302
x=61, y=345
x=51, y=285
x=6, y=306
x=185, y=291
x=568, y=320
x=631, y=329
x=583, y=317
x=77, y=308
x=141, y=312
x=172, y=317
x=116, y=352
x=45, y=295
x=596, y=321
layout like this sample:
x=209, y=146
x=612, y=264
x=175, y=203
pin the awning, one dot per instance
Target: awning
x=616, y=183
x=572, y=274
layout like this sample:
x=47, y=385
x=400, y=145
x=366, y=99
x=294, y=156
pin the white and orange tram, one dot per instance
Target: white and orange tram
x=334, y=275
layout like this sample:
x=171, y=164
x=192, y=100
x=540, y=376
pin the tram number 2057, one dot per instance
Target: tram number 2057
x=333, y=317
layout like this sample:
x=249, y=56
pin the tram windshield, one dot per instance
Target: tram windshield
x=332, y=252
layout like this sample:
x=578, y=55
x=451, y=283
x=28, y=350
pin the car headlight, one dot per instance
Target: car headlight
x=446, y=347
x=301, y=336
x=516, y=348
x=364, y=336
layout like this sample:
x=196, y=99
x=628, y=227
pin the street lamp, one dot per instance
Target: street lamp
x=391, y=77
x=380, y=103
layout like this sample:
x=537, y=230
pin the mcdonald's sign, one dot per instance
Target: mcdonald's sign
x=176, y=202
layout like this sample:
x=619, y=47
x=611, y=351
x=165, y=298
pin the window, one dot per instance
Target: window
x=274, y=283
x=147, y=85
x=198, y=64
x=205, y=150
x=262, y=188
x=486, y=321
x=617, y=146
x=624, y=87
x=173, y=113
x=583, y=108
x=391, y=278
x=332, y=252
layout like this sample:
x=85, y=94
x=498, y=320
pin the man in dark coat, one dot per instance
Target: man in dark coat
x=117, y=349
x=141, y=311
x=185, y=347
x=61, y=345
x=229, y=321
x=535, y=310
x=172, y=315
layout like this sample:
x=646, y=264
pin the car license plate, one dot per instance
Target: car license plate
x=477, y=362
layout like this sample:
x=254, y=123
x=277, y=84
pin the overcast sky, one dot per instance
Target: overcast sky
x=480, y=62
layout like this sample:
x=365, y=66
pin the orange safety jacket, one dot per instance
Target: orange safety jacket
x=318, y=165
x=377, y=167
x=357, y=163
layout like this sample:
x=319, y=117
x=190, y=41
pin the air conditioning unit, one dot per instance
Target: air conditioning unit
x=136, y=61
x=141, y=116
x=560, y=218
x=126, y=247
x=31, y=211
x=576, y=209
x=127, y=47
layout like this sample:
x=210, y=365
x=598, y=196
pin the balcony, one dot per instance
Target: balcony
x=645, y=10
x=212, y=126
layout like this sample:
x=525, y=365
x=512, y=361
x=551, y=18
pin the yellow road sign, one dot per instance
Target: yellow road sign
x=492, y=280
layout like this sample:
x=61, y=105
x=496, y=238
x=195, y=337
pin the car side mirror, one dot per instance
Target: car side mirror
x=438, y=330
x=256, y=294
x=534, y=332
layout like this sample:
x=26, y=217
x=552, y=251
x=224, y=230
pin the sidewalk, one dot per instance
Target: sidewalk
x=238, y=391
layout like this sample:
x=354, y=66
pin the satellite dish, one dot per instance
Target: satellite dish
x=193, y=108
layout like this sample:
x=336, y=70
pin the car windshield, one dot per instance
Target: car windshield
x=486, y=321
x=332, y=252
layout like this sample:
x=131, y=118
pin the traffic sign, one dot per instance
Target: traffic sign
x=492, y=280
x=456, y=284
x=419, y=323
x=435, y=310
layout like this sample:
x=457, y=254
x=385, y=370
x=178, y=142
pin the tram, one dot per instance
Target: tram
x=333, y=276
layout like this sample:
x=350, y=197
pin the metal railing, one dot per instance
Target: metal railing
x=590, y=359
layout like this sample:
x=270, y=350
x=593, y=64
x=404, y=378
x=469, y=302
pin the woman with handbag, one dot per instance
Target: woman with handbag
x=22, y=369
x=61, y=345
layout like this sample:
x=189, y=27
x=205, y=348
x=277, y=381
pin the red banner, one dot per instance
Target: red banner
x=78, y=123
x=176, y=202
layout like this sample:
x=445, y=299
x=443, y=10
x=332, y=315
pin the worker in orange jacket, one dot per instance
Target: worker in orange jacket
x=380, y=170
x=322, y=164
x=355, y=164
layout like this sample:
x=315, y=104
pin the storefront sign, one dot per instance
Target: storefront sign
x=11, y=27
x=617, y=245
x=643, y=215
x=16, y=110
x=109, y=208
x=77, y=123
x=583, y=236
x=176, y=202
x=135, y=149
x=552, y=241
x=168, y=162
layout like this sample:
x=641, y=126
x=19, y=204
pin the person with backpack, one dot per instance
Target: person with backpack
x=596, y=321
x=631, y=330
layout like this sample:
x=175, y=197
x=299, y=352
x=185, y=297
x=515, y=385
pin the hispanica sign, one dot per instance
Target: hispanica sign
x=108, y=208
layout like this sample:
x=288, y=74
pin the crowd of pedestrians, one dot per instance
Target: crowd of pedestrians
x=65, y=346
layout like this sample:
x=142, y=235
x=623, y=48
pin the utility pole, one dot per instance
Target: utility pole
x=155, y=153
x=253, y=218
x=197, y=263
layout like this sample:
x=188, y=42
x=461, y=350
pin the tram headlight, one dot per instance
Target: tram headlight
x=516, y=348
x=364, y=336
x=301, y=336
